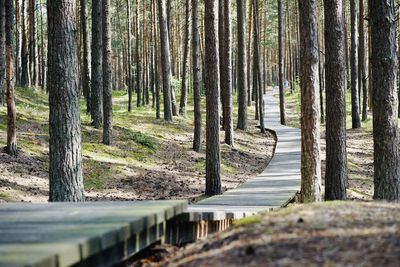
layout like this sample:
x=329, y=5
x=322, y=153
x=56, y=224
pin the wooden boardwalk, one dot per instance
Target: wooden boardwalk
x=82, y=234
x=105, y=233
x=272, y=189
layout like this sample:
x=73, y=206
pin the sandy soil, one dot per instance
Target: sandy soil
x=328, y=234
x=173, y=177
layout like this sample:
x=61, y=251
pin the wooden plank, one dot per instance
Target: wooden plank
x=62, y=234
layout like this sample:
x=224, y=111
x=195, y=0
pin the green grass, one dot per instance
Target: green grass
x=138, y=135
x=7, y=197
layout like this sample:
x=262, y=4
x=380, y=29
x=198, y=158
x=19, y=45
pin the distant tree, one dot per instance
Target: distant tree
x=96, y=106
x=257, y=68
x=85, y=55
x=65, y=171
x=138, y=61
x=25, y=80
x=2, y=50
x=280, y=63
x=33, y=69
x=362, y=63
x=10, y=80
x=107, y=83
x=241, y=82
x=184, y=89
x=196, y=61
x=213, y=152
x=310, y=119
x=385, y=99
x=165, y=60
x=129, y=52
x=355, y=107
x=335, y=76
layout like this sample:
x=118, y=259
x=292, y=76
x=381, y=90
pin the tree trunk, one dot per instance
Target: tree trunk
x=17, y=44
x=10, y=80
x=165, y=60
x=25, y=80
x=257, y=69
x=182, y=106
x=280, y=63
x=355, y=107
x=32, y=43
x=107, y=83
x=384, y=70
x=65, y=172
x=362, y=63
x=335, y=75
x=310, y=120
x=97, y=73
x=85, y=56
x=138, y=61
x=241, y=66
x=227, y=75
x=213, y=152
x=129, y=56
x=2, y=50
x=196, y=77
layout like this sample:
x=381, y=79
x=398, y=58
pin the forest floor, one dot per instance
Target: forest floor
x=324, y=234
x=149, y=159
x=359, y=148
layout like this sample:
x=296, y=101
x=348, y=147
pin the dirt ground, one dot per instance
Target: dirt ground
x=178, y=174
x=326, y=234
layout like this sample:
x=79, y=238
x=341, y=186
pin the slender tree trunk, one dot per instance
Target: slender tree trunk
x=10, y=80
x=384, y=72
x=96, y=106
x=362, y=63
x=213, y=152
x=280, y=63
x=25, y=80
x=227, y=75
x=355, y=108
x=241, y=65
x=196, y=58
x=129, y=56
x=32, y=43
x=257, y=68
x=2, y=50
x=65, y=172
x=85, y=55
x=336, y=155
x=107, y=83
x=309, y=83
x=165, y=60
x=182, y=106
x=138, y=61
x=17, y=44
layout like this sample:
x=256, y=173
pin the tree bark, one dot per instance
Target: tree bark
x=241, y=66
x=362, y=63
x=280, y=63
x=65, y=172
x=355, y=107
x=227, y=75
x=97, y=72
x=107, y=63
x=335, y=75
x=213, y=152
x=385, y=99
x=196, y=61
x=310, y=111
x=2, y=50
x=257, y=69
x=182, y=106
x=11, y=148
x=25, y=79
x=32, y=43
x=85, y=55
x=165, y=60
x=129, y=56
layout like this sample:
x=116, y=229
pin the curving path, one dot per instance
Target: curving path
x=273, y=188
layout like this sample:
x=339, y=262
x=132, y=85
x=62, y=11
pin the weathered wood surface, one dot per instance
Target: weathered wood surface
x=270, y=190
x=89, y=234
